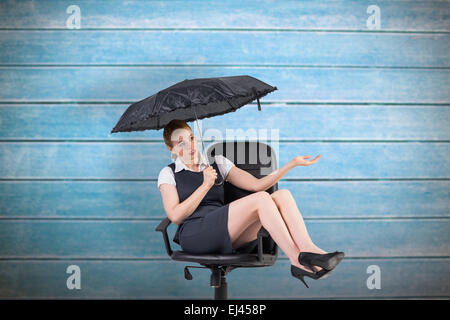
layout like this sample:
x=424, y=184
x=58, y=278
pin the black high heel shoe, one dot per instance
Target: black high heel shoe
x=327, y=261
x=322, y=274
x=300, y=273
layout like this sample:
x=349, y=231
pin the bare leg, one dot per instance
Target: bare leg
x=250, y=234
x=286, y=204
x=259, y=206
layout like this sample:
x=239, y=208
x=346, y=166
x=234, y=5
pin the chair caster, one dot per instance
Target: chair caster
x=187, y=274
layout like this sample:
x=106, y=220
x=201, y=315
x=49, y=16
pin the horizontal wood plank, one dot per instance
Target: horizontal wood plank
x=134, y=160
x=142, y=199
x=295, y=84
x=224, y=48
x=400, y=278
x=138, y=239
x=277, y=121
x=323, y=15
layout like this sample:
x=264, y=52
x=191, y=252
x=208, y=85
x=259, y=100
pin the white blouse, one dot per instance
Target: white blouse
x=166, y=174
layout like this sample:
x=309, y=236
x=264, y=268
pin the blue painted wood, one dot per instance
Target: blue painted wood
x=308, y=84
x=306, y=122
x=374, y=103
x=242, y=48
x=297, y=15
x=162, y=279
x=135, y=160
x=142, y=200
x=138, y=239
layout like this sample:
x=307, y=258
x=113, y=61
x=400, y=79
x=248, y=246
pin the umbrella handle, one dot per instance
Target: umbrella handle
x=220, y=183
x=203, y=146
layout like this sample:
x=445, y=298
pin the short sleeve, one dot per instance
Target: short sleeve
x=224, y=165
x=166, y=176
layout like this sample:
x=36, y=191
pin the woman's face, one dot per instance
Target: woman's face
x=185, y=145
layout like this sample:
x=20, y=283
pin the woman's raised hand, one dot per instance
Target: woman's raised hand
x=300, y=160
x=209, y=176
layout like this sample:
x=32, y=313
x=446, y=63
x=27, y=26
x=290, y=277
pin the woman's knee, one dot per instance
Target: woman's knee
x=263, y=197
x=281, y=194
x=264, y=202
x=259, y=201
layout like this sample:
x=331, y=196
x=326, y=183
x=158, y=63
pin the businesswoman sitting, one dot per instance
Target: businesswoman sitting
x=206, y=224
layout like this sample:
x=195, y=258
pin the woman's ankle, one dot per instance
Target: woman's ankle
x=314, y=249
x=298, y=265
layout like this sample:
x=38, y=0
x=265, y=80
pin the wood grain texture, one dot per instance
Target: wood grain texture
x=344, y=15
x=374, y=103
x=137, y=239
x=136, y=160
x=162, y=279
x=371, y=123
x=131, y=199
x=295, y=84
x=243, y=48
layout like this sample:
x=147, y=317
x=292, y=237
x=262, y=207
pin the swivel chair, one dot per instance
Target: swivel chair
x=258, y=159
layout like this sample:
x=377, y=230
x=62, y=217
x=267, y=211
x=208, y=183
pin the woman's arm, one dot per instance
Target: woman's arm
x=177, y=211
x=244, y=180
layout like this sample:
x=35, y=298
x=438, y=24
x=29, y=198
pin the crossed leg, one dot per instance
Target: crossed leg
x=247, y=214
x=249, y=234
x=294, y=221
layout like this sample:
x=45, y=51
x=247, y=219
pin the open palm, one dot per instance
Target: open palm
x=301, y=160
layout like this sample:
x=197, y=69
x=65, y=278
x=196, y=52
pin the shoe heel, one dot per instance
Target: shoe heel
x=303, y=280
x=300, y=274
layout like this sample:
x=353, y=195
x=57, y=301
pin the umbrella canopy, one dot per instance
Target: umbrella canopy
x=191, y=100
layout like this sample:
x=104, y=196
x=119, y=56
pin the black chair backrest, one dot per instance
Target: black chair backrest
x=255, y=157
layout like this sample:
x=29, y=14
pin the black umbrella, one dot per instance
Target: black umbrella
x=191, y=100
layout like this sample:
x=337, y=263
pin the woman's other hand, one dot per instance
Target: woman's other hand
x=301, y=160
x=209, y=176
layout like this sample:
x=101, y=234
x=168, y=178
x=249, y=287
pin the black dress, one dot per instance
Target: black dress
x=206, y=229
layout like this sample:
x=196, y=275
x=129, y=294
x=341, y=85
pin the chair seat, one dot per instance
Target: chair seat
x=238, y=259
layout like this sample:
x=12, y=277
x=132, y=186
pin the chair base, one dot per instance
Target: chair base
x=221, y=265
x=221, y=293
x=220, y=286
x=218, y=279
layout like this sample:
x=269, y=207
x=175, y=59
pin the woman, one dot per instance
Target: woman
x=207, y=225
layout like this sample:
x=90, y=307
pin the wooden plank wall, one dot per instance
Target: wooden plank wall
x=373, y=102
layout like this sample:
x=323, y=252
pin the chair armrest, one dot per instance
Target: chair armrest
x=262, y=233
x=162, y=227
